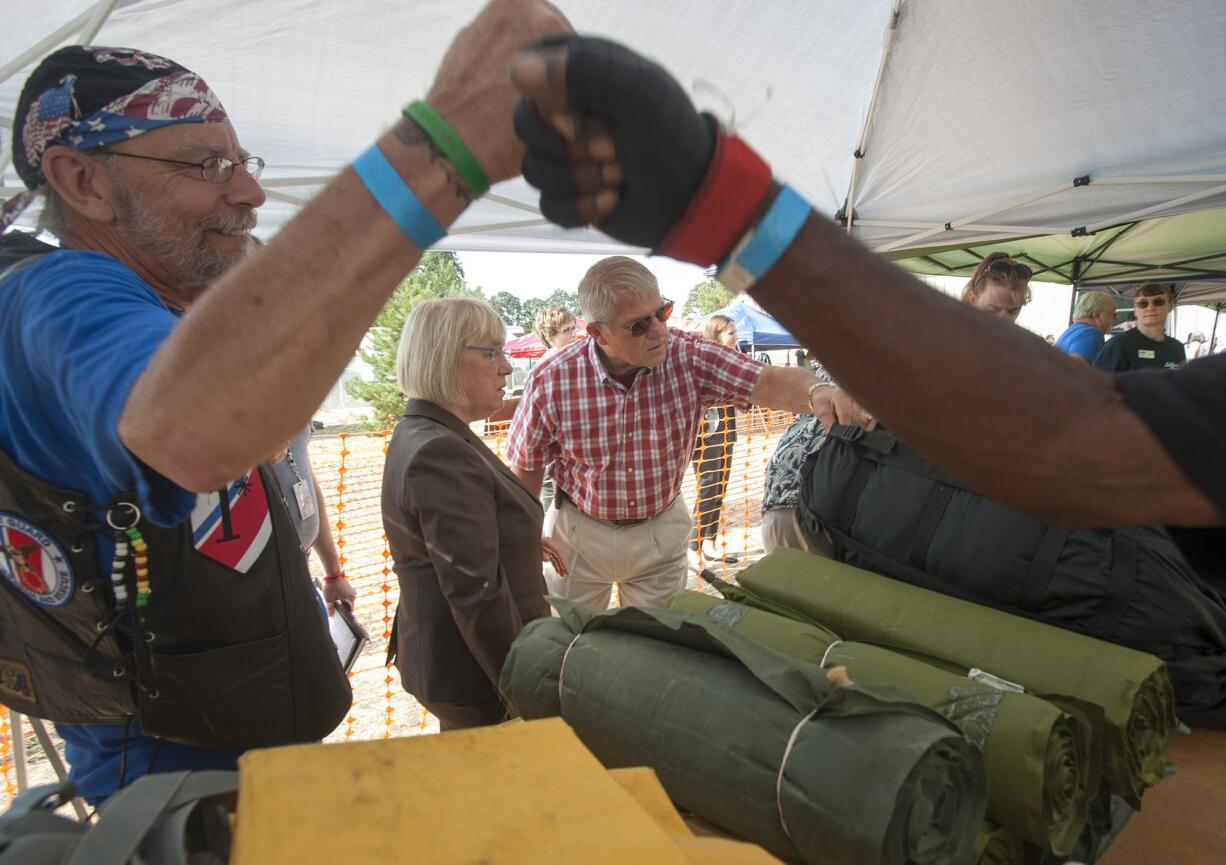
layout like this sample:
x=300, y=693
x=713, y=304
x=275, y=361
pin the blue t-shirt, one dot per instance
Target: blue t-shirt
x=76, y=330
x=1083, y=339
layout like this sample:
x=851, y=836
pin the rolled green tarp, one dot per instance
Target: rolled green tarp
x=997, y=846
x=1041, y=762
x=1131, y=688
x=753, y=741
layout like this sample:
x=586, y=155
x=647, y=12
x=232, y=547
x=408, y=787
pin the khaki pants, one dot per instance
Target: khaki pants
x=647, y=561
x=781, y=528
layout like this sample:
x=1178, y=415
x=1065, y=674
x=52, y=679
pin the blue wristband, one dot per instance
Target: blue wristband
x=397, y=200
x=760, y=248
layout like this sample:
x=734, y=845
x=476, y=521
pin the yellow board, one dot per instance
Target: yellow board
x=645, y=787
x=518, y=793
x=724, y=851
x=642, y=783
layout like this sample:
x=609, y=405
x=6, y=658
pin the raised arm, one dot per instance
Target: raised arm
x=256, y=355
x=985, y=399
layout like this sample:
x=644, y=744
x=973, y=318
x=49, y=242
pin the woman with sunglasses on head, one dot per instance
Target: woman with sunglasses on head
x=1146, y=346
x=464, y=533
x=999, y=285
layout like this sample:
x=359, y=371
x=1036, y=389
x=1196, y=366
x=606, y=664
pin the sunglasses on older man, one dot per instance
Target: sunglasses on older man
x=1147, y=302
x=640, y=326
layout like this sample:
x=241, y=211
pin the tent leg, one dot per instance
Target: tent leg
x=57, y=765
x=18, y=739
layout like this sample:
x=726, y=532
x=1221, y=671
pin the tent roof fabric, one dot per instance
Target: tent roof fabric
x=757, y=328
x=950, y=137
x=531, y=346
x=1190, y=246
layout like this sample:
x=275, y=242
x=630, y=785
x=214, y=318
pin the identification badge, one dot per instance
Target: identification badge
x=305, y=499
x=1146, y=353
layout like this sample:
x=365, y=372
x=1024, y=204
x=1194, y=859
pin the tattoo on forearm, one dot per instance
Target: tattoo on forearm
x=409, y=134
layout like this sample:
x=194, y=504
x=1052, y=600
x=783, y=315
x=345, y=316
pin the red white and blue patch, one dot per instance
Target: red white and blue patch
x=233, y=531
x=33, y=561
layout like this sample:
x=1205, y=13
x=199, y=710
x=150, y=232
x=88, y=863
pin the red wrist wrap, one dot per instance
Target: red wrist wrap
x=719, y=212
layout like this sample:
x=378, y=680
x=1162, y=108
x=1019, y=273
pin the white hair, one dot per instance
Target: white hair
x=433, y=340
x=1092, y=302
x=610, y=279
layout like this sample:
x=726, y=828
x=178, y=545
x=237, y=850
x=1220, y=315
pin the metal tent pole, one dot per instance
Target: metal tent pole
x=19, y=751
x=888, y=42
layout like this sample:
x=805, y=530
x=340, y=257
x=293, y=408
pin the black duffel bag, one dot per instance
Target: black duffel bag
x=885, y=508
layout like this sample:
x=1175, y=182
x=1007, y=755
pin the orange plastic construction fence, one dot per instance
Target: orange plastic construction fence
x=349, y=468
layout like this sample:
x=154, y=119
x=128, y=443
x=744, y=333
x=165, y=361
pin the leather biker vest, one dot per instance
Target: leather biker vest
x=231, y=649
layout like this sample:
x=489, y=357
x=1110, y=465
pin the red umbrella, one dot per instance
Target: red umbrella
x=530, y=345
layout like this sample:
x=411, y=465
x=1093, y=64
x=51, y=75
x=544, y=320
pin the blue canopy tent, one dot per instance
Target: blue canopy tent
x=756, y=328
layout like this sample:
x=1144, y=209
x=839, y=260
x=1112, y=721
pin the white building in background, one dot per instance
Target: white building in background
x=339, y=408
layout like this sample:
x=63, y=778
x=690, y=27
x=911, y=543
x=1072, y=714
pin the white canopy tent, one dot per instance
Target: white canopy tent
x=974, y=121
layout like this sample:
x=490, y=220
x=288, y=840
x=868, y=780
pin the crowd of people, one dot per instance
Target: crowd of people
x=151, y=365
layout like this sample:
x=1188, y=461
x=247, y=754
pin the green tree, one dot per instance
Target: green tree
x=531, y=307
x=439, y=274
x=568, y=299
x=509, y=308
x=706, y=297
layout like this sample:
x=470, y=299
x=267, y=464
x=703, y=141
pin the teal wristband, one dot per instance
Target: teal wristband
x=453, y=147
x=761, y=246
x=397, y=200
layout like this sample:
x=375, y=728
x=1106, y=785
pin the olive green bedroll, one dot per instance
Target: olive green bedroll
x=1131, y=687
x=753, y=741
x=997, y=846
x=1041, y=762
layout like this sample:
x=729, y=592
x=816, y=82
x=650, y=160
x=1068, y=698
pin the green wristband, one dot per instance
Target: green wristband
x=452, y=145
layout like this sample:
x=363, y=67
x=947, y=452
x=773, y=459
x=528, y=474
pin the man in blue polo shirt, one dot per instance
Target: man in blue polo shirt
x=1093, y=316
x=154, y=601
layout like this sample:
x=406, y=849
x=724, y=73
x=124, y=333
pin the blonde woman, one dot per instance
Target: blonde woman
x=463, y=531
x=557, y=328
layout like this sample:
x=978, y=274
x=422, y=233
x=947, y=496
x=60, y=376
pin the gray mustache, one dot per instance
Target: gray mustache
x=243, y=221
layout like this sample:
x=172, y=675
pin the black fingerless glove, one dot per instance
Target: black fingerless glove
x=689, y=189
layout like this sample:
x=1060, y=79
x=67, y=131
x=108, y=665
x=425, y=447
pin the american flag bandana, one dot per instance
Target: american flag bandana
x=86, y=98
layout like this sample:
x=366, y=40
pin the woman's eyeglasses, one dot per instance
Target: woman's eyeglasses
x=491, y=352
x=1147, y=302
x=639, y=327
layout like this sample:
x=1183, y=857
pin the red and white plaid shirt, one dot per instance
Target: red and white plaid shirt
x=620, y=452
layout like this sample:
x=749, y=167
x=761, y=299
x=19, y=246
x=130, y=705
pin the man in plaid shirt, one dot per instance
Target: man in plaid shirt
x=614, y=418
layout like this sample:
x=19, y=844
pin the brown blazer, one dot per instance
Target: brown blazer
x=465, y=537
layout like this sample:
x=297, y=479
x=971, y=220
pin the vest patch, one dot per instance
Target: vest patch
x=233, y=530
x=15, y=680
x=34, y=562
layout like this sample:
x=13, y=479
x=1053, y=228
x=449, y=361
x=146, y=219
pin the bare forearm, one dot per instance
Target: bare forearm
x=532, y=480
x=984, y=398
x=260, y=350
x=257, y=354
x=325, y=545
x=785, y=389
